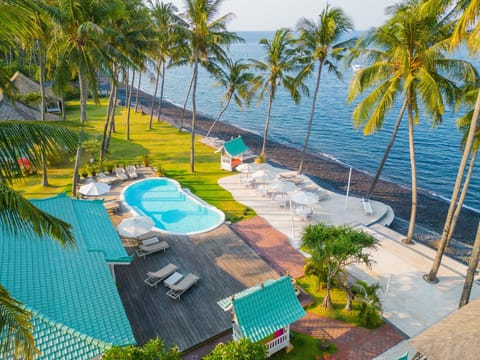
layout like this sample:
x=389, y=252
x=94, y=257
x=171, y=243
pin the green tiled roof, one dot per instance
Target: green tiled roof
x=235, y=147
x=71, y=286
x=225, y=303
x=267, y=309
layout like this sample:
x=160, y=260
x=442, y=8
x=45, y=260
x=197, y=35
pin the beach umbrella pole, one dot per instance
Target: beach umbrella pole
x=348, y=187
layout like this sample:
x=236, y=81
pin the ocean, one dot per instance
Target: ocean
x=333, y=135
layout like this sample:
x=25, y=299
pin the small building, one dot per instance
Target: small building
x=233, y=153
x=76, y=309
x=264, y=313
x=26, y=86
x=18, y=111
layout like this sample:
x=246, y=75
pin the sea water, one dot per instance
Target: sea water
x=438, y=150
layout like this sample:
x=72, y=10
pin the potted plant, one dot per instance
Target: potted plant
x=84, y=172
x=146, y=162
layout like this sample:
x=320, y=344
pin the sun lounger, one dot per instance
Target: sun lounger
x=144, y=250
x=367, y=207
x=153, y=278
x=304, y=213
x=103, y=178
x=186, y=283
x=121, y=174
x=131, y=172
x=288, y=175
x=111, y=206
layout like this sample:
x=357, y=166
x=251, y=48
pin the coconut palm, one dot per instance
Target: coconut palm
x=18, y=216
x=281, y=67
x=237, y=80
x=409, y=65
x=467, y=28
x=207, y=37
x=322, y=47
x=471, y=271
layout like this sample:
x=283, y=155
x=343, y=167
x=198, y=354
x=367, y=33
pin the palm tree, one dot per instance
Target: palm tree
x=207, y=36
x=168, y=27
x=19, y=216
x=237, y=80
x=409, y=63
x=320, y=43
x=471, y=271
x=281, y=68
x=467, y=27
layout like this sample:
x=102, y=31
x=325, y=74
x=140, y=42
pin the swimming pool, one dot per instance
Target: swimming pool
x=172, y=209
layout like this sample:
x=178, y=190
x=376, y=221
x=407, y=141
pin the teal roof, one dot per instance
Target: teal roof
x=71, y=286
x=267, y=309
x=235, y=147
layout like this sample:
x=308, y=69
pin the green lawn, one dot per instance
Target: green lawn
x=304, y=348
x=339, y=299
x=165, y=147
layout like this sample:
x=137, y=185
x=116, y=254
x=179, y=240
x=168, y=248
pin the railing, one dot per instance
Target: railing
x=278, y=343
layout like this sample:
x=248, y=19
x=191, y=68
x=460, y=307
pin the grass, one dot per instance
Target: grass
x=339, y=299
x=304, y=348
x=165, y=147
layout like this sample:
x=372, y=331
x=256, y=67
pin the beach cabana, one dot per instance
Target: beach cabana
x=76, y=309
x=27, y=86
x=233, y=153
x=263, y=313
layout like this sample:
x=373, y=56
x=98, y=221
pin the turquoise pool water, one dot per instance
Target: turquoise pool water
x=173, y=209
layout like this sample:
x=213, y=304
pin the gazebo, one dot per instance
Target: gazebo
x=233, y=153
x=264, y=313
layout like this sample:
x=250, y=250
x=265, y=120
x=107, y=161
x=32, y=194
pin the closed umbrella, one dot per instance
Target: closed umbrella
x=304, y=198
x=94, y=189
x=135, y=226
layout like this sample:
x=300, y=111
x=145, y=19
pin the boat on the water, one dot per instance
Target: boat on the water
x=356, y=67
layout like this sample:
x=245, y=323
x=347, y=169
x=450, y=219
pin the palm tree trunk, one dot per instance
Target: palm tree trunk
x=310, y=121
x=327, y=300
x=185, y=105
x=194, y=110
x=432, y=275
x=220, y=114
x=413, y=165
x=111, y=128
x=153, y=98
x=161, y=92
x=387, y=150
x=463, y=195
x=267, y=124
x=129, y=103
x=42, y=109
x=138, y=89
x=107, y=122
x=472, y=267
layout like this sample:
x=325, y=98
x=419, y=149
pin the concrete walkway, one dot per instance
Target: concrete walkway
x=409, y=303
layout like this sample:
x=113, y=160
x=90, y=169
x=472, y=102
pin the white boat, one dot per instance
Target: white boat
x=356, y=67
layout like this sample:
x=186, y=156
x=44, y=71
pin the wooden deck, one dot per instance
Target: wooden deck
x=225, y=265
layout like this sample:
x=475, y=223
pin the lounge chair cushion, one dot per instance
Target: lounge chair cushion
x=153, y=278
x=144, y=250
x=186, y=283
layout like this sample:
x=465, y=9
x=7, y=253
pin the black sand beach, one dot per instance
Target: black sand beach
x=431, y=211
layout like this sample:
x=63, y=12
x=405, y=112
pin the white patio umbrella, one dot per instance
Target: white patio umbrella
x=135, y=226
x=263, y=176
x=94, y=189
x=247, y=168
x=282, y=186
x=304, y=198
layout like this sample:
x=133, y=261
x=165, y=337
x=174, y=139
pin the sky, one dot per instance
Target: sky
x=274, y=14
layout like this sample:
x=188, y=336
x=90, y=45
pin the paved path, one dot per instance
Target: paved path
x=352, y=342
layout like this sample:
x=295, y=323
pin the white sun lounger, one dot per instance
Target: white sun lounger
x=120, y=172
x=131, y=172
x=103, y=178
x=153, y=278
x=144, y=250
x=186, y=283
x=367, y=207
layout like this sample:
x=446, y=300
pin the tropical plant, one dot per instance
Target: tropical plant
x=282, y=67
x=237, y=80
x=409, y=63
x=333, y=248
x=207, y=37
x=466, y=28
x=242, y=349
x=321, y=46
x=154, y=349
x=20, y=217
x=370, y=311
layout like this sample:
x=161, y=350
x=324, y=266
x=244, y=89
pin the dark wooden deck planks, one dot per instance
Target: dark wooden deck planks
x=225, y=265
